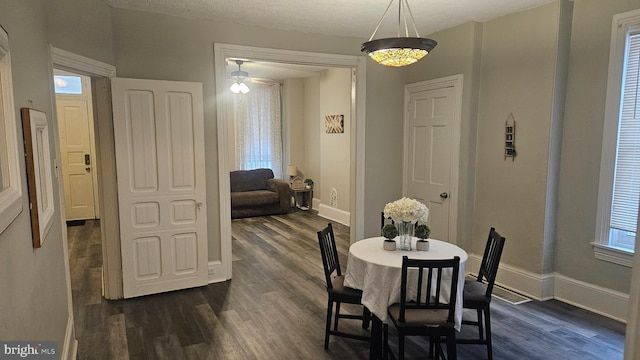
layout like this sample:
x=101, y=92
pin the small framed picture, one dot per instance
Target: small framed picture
x=39, y=174
x=297, y=184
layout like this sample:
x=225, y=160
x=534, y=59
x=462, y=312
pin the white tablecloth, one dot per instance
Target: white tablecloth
x=378, y=273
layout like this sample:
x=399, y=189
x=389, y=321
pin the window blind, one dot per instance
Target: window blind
x=626, y=187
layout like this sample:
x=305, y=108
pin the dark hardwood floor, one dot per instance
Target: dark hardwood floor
x=275, y=306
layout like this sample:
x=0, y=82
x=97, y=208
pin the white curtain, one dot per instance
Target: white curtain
x=259, y=128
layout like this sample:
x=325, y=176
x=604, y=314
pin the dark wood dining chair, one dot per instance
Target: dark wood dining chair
x=337, y=292
x=477, y=293
x=425, y=314
x=385, y=220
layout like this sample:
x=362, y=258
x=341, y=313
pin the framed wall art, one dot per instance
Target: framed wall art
x=38, y=164
x=334, y=124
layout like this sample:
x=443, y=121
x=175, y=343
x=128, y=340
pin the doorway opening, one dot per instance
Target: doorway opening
x=76, y=135
x=102, y=163
x=357, y=66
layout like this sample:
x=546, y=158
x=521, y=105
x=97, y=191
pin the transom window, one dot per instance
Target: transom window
x=67, y=84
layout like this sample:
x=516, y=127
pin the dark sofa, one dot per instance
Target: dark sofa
x=256, y=193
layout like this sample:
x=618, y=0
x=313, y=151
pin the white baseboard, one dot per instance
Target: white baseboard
x=597, y=299
x=69, y=349
x=337, y=215
x=215, y=272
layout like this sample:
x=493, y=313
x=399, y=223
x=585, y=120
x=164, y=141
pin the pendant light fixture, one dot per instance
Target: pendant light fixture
x=239, y=77
x=398, y=51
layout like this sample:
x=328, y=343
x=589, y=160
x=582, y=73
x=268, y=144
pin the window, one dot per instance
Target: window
x=259, y=128
x=619, y=192
x=67, y=84
x=10, y=189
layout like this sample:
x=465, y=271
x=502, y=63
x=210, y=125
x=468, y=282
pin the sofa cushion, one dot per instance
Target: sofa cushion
x=249, y=180
x=254, y=198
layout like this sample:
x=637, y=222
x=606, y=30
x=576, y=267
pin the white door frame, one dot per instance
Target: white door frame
x=357, y=63
x=454, y=81
x=111, y=259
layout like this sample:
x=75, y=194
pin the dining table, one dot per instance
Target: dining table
x=378, y=273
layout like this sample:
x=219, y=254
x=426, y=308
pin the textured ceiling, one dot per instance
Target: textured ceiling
x=354, y=18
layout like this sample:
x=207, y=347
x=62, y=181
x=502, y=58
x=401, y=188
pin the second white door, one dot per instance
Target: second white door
x=429, y=151
x=76, y=145
x=159, y=127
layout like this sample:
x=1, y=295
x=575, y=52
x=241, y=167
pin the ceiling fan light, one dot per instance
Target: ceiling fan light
x=238, y=76
x=235, y=88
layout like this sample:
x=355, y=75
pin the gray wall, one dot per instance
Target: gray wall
x=518, y=68
x=582, y=143
x=34, y=302
x=459, y=52
x=153, y=46
x=509, y=65
x=311, y=134
x=335, y=149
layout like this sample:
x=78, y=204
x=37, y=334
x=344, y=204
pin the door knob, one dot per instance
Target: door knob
x=444, y=195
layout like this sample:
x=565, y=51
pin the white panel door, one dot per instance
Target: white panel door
x=159, y=138
x=77, y=157
x=429, y=150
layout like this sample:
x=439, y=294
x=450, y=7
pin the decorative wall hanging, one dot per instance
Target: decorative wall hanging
x=510, y=138
x=38, y=164
x=334, y=124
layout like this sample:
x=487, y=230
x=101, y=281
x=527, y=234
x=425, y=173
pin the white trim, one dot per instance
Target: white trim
x=224, y=51
x=11, y=196
x=69, y=349
x=215, y=272
x=535, y=286
x=631, y=348
x=611, y=254
x=620, y=26
x=331, y=213
x=70, y=61
x=456, y=82
x=597, y=299
x=111, y=257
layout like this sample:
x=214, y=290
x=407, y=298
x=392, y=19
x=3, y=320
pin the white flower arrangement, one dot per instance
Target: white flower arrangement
x=407, y=210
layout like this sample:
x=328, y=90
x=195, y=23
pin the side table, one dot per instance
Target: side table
x=306, y=199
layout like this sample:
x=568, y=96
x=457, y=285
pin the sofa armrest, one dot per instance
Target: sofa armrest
x=283, y=189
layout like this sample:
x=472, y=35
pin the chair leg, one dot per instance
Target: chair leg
x=487, y=320
x=480, y=325
x=437, y=348
x=337, y=316
x=432, y=346
x=328, y=325
x=400, y=346
x=385, y=342
x=366, y=317
x=451, y=347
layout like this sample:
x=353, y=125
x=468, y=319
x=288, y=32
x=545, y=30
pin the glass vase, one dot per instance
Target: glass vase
x=405, y=234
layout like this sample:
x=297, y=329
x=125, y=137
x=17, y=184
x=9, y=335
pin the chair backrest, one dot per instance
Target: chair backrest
x=429, y=285
x=383, y=220
x=491, y=260
x=329, y=252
